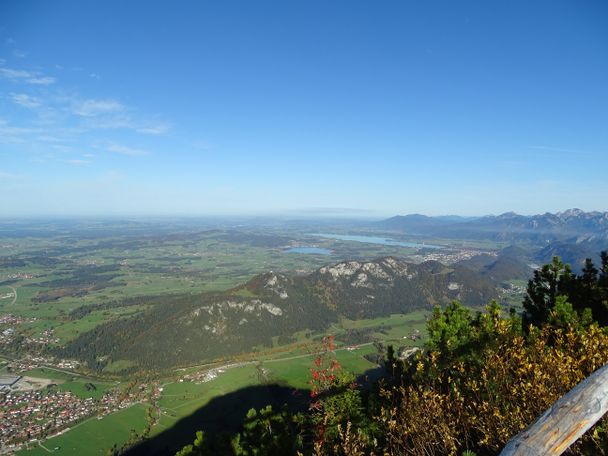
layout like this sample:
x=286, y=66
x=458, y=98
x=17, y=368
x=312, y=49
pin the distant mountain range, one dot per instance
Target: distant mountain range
x=186, y=329
x=573, y=234
x=571, y=224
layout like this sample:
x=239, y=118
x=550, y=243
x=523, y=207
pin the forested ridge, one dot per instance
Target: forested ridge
x=187, y=329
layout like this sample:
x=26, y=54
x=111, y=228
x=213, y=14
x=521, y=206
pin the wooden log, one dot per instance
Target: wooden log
x=568, y=419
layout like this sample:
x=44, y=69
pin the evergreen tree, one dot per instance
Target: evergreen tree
x=548, y=283
x=450, y=330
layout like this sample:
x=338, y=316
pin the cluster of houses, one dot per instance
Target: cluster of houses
x=21, y=275
x=34, y=414
x=27, y=363
x=202, y=376
x=10, y=319
x=30, y=416
x=47, y=337
x=414, y=336
x=6, y=335
x=67, y=364
x=452, y=256
x=512, y=289
x=8, y=323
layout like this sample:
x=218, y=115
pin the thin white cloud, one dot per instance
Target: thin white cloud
x=92, y=108
x=49, y=139
x=63, y=120
x=25, y=100
x=19, y=54
x=125, y=150
x=77, y=162
x=30, y=77
x=153, y=129
x=26, y=76
x=10, y=73
x=109, y=121
x=110, y=113
x=44, y=80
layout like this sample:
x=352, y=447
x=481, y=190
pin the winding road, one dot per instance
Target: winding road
x=14, y=294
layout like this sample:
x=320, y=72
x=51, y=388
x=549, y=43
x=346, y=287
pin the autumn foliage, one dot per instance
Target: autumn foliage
x=480, y=402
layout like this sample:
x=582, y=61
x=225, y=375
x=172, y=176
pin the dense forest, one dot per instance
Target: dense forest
x=482, y=378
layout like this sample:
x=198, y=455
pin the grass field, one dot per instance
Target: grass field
x=296, y=372
x=71, y=382
x=79, y=389
x=93, y=436
x=182, y=399
x=44, y=372
x=117, y=366
x=396, y=329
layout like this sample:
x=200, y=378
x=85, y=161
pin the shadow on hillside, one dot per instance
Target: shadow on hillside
x=222, y=414
x=370, y=377
x=226, y=414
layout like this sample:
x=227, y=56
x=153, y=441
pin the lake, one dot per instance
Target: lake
x=313, y=250
x=375, y=240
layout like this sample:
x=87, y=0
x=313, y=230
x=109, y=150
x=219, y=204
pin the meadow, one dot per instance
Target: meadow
x=93, y=436
x=77, y=384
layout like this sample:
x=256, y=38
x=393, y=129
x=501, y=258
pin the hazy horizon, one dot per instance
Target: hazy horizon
x=359, y=215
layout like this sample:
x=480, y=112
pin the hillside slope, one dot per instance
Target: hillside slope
x=194, y=328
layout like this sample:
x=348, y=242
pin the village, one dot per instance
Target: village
x=449, y=256
x=33, y=409
x=12, y=330
x=33, y=415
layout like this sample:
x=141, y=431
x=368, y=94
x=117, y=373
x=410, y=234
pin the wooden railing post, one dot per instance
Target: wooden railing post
x=568, y=419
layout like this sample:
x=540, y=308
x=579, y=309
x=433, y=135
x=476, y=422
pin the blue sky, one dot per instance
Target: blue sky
x=302, y=107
